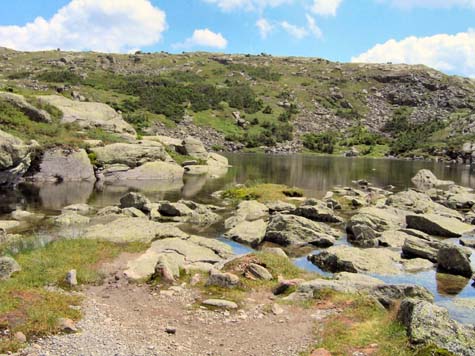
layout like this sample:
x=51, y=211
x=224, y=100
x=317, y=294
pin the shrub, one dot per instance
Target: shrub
x=323, y=142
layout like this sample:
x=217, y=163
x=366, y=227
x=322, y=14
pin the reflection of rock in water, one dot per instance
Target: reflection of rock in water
x=448, y=284
x=52, y=196
x=193, y=185
x=9, y=199
x=110, y=193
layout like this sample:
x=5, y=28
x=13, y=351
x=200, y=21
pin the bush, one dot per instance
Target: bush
x=324, y=142
x=64, y=76
x=267, y=110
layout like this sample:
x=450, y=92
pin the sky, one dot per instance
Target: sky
x=438, y=33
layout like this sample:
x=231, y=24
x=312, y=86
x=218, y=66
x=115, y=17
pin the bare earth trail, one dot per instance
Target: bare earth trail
x=131, y=320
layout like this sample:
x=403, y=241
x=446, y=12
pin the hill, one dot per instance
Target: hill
x=246, y=102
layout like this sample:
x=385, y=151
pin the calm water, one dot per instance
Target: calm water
x=314, y=174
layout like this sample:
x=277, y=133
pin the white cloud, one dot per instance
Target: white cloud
x=294, y=31
x=203, y=38
x=265, y=27
x=325, y=7
x=449, y=53
x=313, y=27
x=100, y=25
x=248, y=5
x=408, y=4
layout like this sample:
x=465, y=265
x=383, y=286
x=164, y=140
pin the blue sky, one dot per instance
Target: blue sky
x=439, y=33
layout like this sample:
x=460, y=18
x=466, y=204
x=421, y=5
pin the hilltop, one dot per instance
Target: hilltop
x=261, y=102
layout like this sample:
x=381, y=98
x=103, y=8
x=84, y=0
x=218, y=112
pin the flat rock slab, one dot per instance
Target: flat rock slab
x=433, y=224
x=248, y=232
x=220, y=303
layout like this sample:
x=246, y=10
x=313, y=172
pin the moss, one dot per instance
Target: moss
x=261, y=192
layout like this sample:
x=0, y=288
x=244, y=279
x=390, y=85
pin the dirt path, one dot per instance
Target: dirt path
x=130, y=320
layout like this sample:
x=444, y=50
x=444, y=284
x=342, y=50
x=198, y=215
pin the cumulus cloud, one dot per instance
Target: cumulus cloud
x=99, y=25
x=408, y=4
x=293, y=30
x=449, y=53
x=248, y=5
x=203, y=38
x=325, y=7
x=265, y=27
x=313, y=27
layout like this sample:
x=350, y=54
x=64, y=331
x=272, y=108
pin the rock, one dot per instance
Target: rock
x=195, y=148
x=196, y=170
x=135, y=200
x=320, y=213
x=71, y=278
x=388, y=293
x=438, y=225
x=64, y=165
x=174, y=209
x=363, y=236
x=355, y=260
x=417, y=264
x=275, y=251
x=67, y=326
x=131, y=155
x=284, y=285
x=15, y=158
x=277, y=309
x=426, y=179
x=8, y=266
x=149, y=171
x=132, y=229
x=20, y=337
x=248, y=232
x=321, y=352
x=89, y=115
x=173, y=143
x=416, y=247
x=251, y=210
x=468, y=242
x=133, y=213
x=167, y=267
x=82, y=209
x=357, y=278
x=378, y=219
x=392, y=238
x=170, y=330
x=9, y=225
x=296, y=230
x=70, y=218
x=109, y=210
x=223, y=280
x=26, y=108
x=220, y=303
x=280, y=207
x=22, y=215
x=453, y=259
x=428, y=324
x=256, y=271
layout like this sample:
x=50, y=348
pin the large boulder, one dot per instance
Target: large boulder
x=429, y=324
x=318, y=212
x=426, y=179
x=131, y=155
x=298, y=231
x=8, y=266
x=378, y=219
x=356, y=260
x=248, y=210
x=248, y=232
x=135, y=200
x=149, y=171
x=414, y=247
x=63, y=165
x=454, y=259
x=129, y=229
x=217, y=165
x=438, y=225
x=195, y=148
x=25, y=107
x=89, y=115
x=15, y=158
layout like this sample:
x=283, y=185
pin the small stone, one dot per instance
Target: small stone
x=277, y=309
x=321, y=352
x=71, y=278
x=259, y=272
x=195, y=279
x=220, y=303
x=170, y=330
x=67, y=325
x=20, y=337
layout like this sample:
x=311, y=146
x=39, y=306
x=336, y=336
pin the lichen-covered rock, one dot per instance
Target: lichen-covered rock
x=437, y=225
x=89, y=115
x=455, y=260
x=222, y=279
x=248, y=210
x=248, y=232
x=64, y=165
x=8, y=266
x=319, y=212
x=134, y=200
x=15, y=158
x=195, y=148
x=426, y=179
x=70, y=218
x=429, y=324
x=417, y=247
x=378, y=219
x=295, y=230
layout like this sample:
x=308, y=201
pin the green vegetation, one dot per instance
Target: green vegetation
x=25, y=304
x=261, y=192
x=323, y=143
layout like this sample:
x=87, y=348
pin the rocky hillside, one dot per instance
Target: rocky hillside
x=235, y=102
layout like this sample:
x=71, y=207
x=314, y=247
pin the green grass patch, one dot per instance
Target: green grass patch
x=262, y=192
x=25, y=304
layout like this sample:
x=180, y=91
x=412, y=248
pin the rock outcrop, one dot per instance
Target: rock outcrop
x=426, y=179
x=8, y=266
x=437, y=225
x=26, y=108
x=454, y=260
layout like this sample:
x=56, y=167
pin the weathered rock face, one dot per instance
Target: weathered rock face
x=89, y=115
x=8, y=266
x=297, y=231
x=378, y=219
x=416, y=247
x=134, y=200
x=438, y=225
x=222, y=279
x=319, y=212
x=148, y=171
x=426, y=179
x=195, y=148
x=248, y=232
x=15, y=158
x=247, y=211
x=29, y=110
x=64, y=165
x=355, y=260
x=453, y=259
x=131, y=155
x=427, y=324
